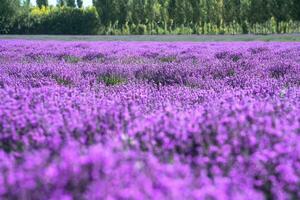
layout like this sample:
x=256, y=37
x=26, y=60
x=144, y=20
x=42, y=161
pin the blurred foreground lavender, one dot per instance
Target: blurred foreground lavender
x=117, y=120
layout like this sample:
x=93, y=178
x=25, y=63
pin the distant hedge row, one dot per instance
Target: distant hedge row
x=56, y=20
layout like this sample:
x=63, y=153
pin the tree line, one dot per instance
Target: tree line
x=151, y=17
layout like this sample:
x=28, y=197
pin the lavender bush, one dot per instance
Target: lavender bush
x=147, y=120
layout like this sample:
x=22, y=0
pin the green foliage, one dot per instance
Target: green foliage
x=71, y=59
x=8, y=11
x=61, y=3
x=140, y=29
x=198, y=16
x=61, y=80
x=71, y=3
x=116, y=17
x=110, y=80
x=57, y=20
x=79, y=3
x=41, y=3
x=168, y=59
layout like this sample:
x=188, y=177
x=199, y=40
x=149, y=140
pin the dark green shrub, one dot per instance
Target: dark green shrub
x=71, y=59
x=168, y=59
x=61, y=80
x=8, y=11
x=110, y=80
x=57, y=20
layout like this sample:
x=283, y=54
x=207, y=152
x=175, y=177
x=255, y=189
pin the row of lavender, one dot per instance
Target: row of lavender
x=116, y=120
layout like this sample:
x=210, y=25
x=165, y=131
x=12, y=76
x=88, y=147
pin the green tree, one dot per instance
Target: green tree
x=172, y=9
x=185, y=16
x=107, y=10
x=138, y=11
x=259, y=11
x=79, y=3
x=231, y=11
x=197, y=11
x=281, y=9
x=26, y=3
x=41, y=3
x=180, y=11
x=295, y=10
x=8, y=11
x=71, y=3
x=61, y=3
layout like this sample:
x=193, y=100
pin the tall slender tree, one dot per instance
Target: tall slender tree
x=295, y=10
x=41, y=3
x=71, y=3
x=104, y=9
x=8, y=11
x=26, y=3
x=206, y=13
x=79, y=3
x=61, y=3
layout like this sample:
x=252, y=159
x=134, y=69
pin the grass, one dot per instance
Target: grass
x=70, y=59
x=168, y=59
x=110, y=80
x=165, y=38
x=62, y=80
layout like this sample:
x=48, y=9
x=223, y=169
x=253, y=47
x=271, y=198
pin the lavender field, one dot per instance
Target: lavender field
x=149, y=120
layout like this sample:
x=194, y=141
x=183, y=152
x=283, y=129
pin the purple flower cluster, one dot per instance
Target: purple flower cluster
x=148, y=120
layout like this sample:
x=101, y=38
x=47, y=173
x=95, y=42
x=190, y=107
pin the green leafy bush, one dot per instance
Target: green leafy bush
x=57, y=20
x=110, y=79
x=8, y=12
